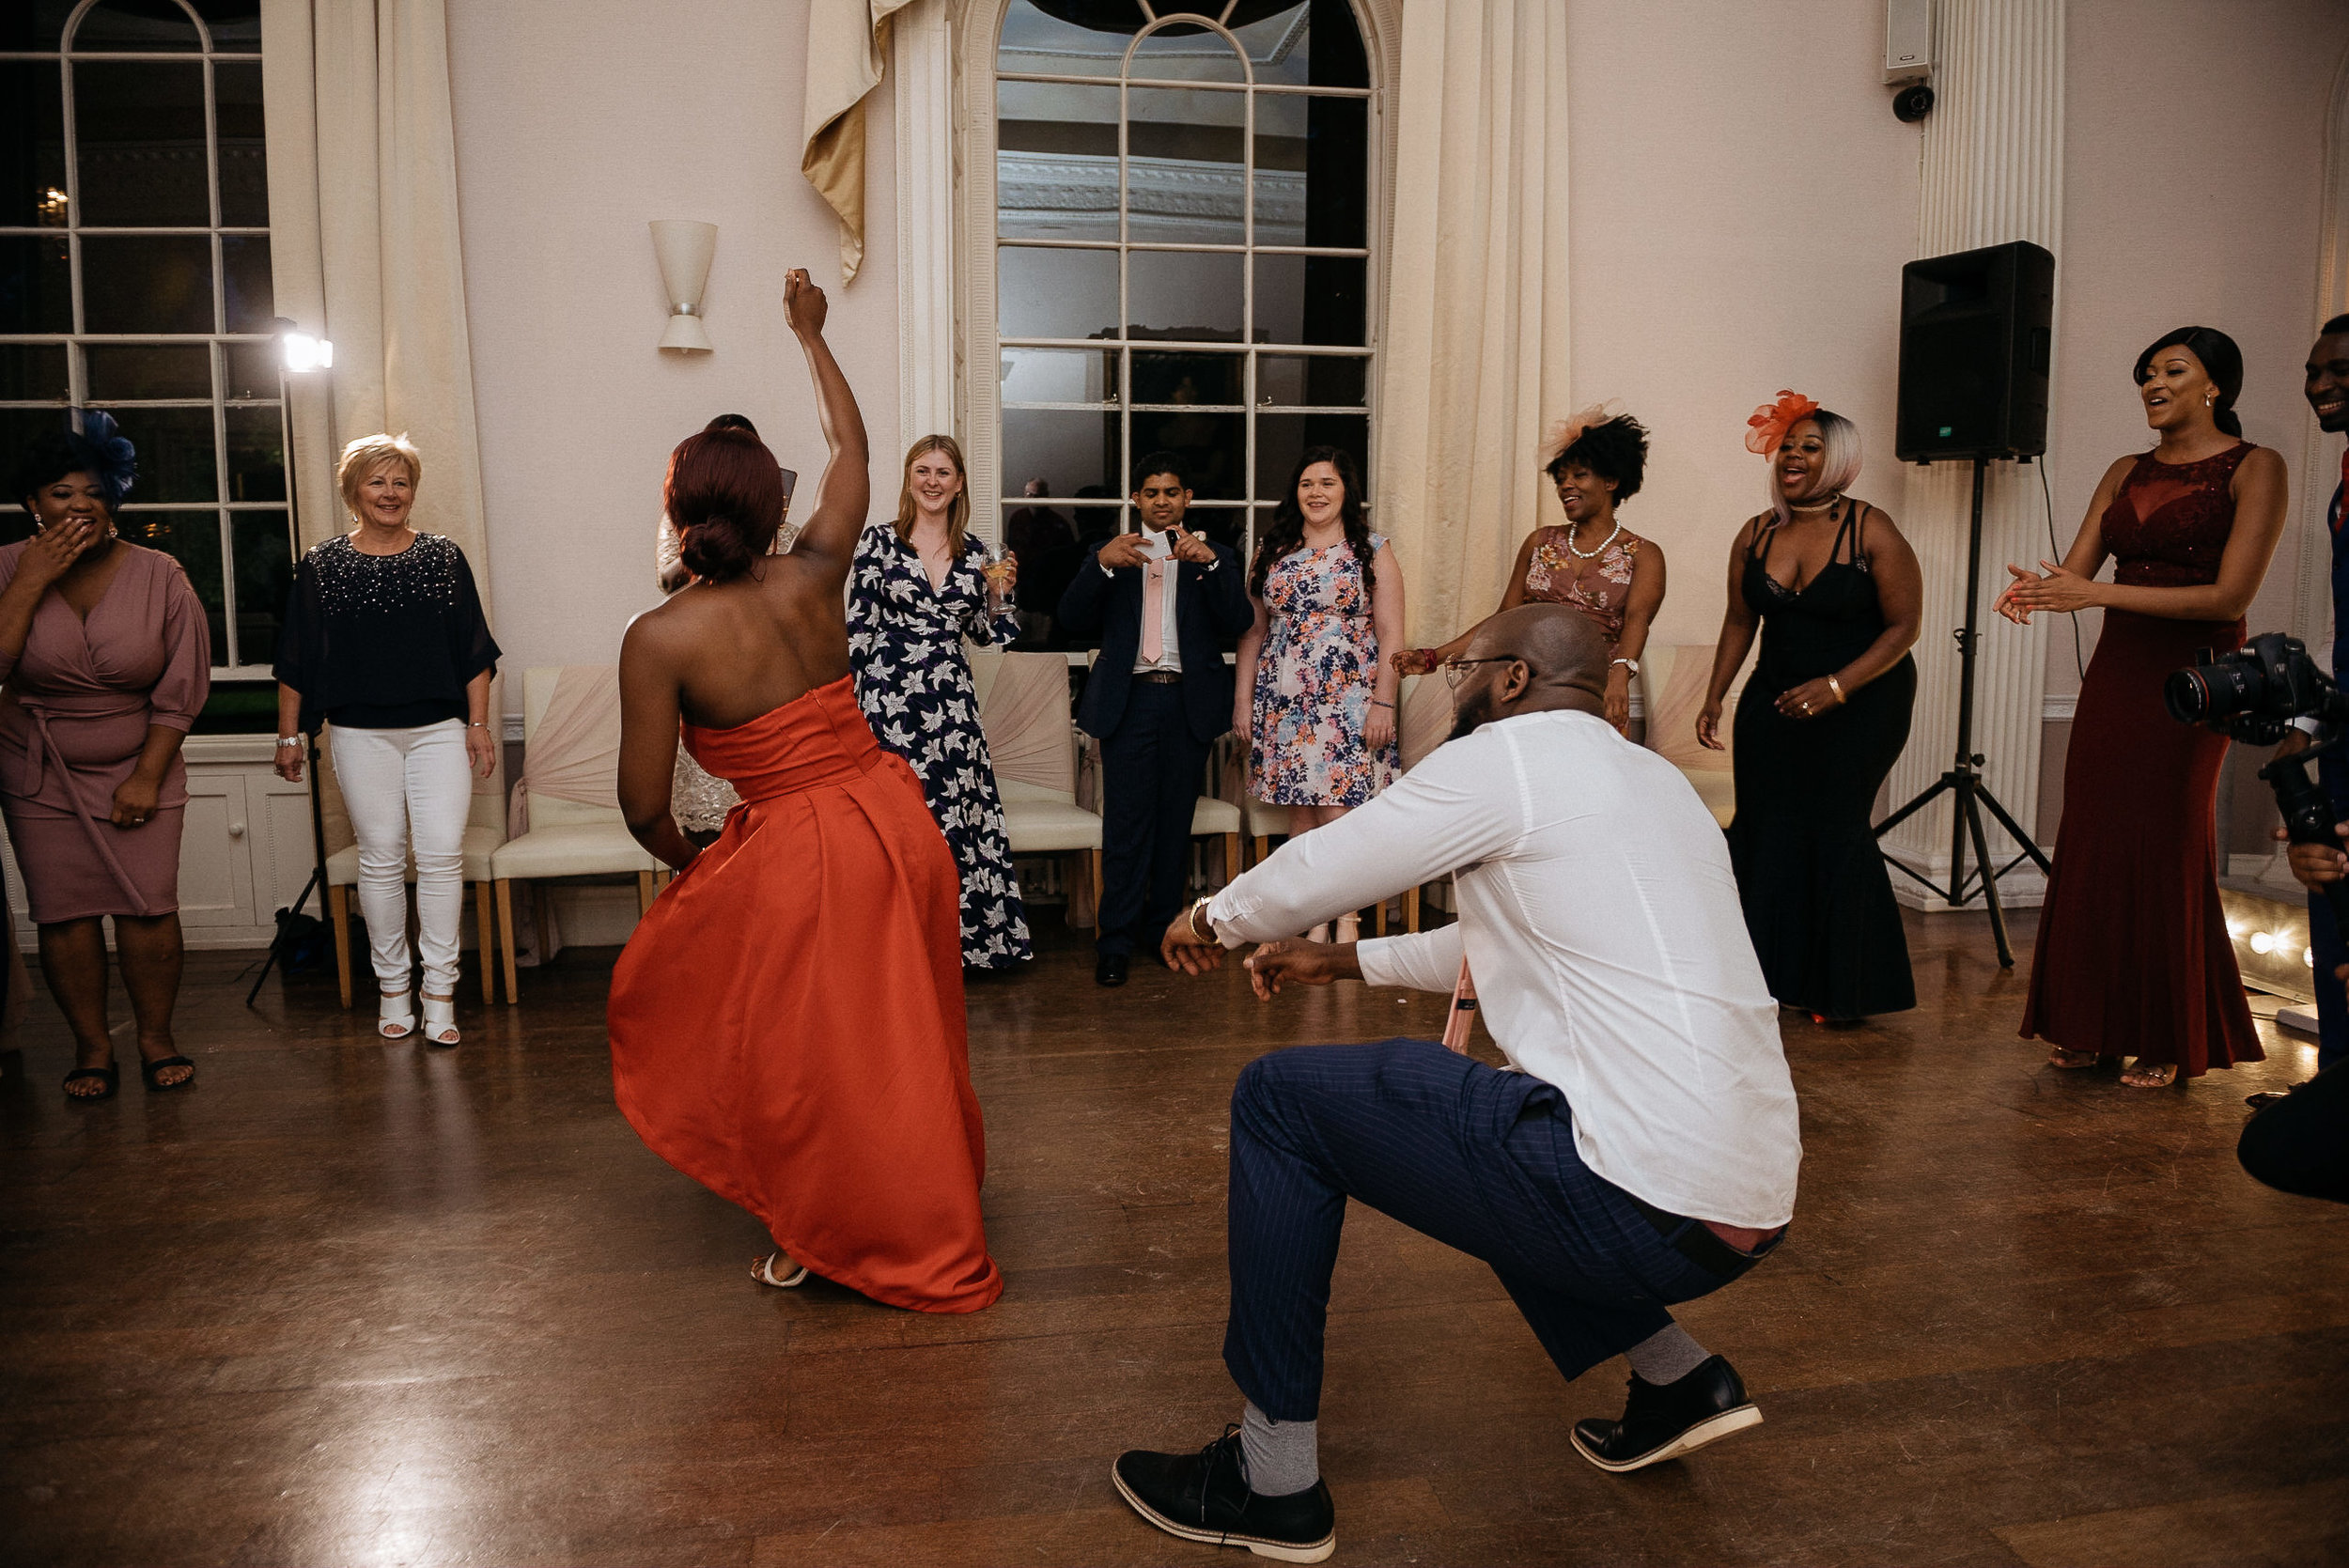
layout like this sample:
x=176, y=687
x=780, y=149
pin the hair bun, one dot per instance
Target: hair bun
x=714, y=549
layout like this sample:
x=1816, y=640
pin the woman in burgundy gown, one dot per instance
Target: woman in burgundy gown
x=2133, y=954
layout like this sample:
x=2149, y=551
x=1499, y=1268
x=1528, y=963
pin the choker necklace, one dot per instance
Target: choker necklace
x=1592, y=554
x=1816, y=505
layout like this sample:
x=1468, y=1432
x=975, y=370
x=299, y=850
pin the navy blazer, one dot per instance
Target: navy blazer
x=1209, y=606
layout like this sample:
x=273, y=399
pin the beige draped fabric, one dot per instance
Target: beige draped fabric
x=364, y=251
x=843, y=63
x=1023, y=711
x=1475, y=356
x=574, y=754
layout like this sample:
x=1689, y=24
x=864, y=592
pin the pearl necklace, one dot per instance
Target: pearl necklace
x=1592, y=554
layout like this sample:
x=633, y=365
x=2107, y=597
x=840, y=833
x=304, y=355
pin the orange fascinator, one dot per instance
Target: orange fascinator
x=1771, y=421
x=1576, y=425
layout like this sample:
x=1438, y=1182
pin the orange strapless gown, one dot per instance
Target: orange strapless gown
x=787, y=1024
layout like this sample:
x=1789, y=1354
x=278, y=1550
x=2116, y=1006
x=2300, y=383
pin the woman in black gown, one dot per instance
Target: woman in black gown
x=1836, y=593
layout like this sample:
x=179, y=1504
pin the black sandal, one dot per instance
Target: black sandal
x=112, y=1076
x=148, y=1069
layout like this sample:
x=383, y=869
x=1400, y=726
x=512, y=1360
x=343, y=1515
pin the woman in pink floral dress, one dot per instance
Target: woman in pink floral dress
x=1592, y=563
x=1313, y=699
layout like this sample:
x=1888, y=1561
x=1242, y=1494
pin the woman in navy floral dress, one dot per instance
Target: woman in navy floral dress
x=917, y=589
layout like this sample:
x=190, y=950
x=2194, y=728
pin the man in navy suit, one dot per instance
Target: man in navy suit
x=1162, y=601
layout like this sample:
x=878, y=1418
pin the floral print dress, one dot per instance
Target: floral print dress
x=905, y=649
x=1599, y=588
x=1314, y=684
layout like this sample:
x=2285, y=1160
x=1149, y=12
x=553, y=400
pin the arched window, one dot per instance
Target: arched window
x=1184, y=255
x=134, y=276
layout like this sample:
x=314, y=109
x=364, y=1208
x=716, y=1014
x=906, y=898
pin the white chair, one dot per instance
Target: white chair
x=1672, y=688
x=485, y=829
x=1214, y=819
x=566, y=837
x=1032, y=744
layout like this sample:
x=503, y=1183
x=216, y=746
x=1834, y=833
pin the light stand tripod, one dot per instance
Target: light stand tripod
x=1964, y=779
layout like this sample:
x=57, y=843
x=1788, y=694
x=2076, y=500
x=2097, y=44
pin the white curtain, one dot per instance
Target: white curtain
x=364, y=251
x=363, y=248
x=1476, y=351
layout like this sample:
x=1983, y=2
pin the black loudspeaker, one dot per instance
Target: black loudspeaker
x=1975, y=342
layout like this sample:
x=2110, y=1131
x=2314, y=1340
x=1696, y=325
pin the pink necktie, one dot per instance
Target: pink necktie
x=1457, y=1022
x=1154, y=612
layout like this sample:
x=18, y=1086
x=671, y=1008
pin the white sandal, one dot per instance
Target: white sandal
x=764, y=1272
x=396, y=1016
x=439, y=1019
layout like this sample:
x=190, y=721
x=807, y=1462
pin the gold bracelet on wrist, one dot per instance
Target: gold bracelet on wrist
x=1836, y=686
x=1205, y=933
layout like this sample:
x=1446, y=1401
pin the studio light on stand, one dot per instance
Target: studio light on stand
x=299, y=354
x=684, y=249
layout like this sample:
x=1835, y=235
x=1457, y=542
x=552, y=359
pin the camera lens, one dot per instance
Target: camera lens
x=2210, y=691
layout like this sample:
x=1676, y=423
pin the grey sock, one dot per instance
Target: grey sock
x=1667, y=1355
x=1280, y=1457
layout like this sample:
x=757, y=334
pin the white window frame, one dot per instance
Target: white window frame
x=977, y=346
x=217, y=343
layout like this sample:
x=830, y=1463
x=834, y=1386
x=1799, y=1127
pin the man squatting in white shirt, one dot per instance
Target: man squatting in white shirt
x=1641, y=1153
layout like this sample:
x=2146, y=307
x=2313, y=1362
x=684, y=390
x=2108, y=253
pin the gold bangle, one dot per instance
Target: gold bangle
x=1207, y=934
x=1836, y=686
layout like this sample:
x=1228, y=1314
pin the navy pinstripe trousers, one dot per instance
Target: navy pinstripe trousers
x=1480, y=1160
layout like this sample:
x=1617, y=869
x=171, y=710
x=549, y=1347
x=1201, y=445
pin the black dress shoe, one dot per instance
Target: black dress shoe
x=1109, y=969
x=1666, y=1421
x=1204, y=1496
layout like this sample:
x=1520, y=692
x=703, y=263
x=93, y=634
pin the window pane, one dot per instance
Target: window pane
x=35, y=286
x=1056, y=162
x=32, y=144
x=251, y=297
x=1188, y=294
x=1069, y=452
x=1214, y=444
x=1333, y=47
x=1225, y=525
x=1187, y=52
x=138, y=24
x=193, y=538
x=1059, y=39
x=1192, y=379
x=1184, y=180
x=235, y=24
x=139, y=128
x=1337, y=172
x=243, y=165
x=35, y=25
x=158, y=282
x=30, y=372
x=19, y=429
x=176, y=457
x=252, y=371
x=264, y=578
x=148, y=370
x=1277, y=38
x=1310, y=299
x=1312, y=380
x=1059, y=376
x=1283, y=438
x=257, y=455
x=1042, y=293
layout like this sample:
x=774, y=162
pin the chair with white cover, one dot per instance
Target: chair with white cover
x=565, y=819
x=1031, y=742
x=485, y=829
x=1672, y=688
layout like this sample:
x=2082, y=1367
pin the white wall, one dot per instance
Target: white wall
x=578, y=122
x=1742, y=202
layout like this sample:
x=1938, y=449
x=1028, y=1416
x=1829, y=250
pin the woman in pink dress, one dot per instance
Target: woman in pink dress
x=106, y=663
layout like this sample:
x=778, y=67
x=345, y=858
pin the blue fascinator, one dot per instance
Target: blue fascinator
x=105, y=452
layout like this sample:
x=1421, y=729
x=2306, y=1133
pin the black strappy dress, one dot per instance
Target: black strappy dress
x=1817, y=899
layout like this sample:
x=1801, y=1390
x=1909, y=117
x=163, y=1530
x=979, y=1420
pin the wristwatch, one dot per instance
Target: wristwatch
x=1630, y=664
x=289, y=740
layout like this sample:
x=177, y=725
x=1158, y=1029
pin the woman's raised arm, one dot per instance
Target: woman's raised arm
x=844, y=494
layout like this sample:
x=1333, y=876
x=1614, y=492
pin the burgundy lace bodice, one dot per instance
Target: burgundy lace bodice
x=2167, y=524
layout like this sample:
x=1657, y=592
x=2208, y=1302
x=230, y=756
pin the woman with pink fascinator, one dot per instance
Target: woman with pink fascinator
x=1836, y=595
x=1591, y=562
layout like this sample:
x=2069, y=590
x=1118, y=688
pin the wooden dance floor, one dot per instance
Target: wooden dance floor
x=354, y=1304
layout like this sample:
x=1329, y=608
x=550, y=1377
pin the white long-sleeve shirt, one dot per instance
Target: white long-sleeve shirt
x=1600, y=918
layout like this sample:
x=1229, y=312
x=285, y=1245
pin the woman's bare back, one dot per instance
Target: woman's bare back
x=740, y=650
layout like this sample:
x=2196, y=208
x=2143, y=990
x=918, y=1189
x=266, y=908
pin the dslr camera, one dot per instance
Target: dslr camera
x=2253, y=694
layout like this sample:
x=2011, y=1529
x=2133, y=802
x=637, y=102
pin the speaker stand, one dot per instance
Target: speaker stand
x=1963, y=780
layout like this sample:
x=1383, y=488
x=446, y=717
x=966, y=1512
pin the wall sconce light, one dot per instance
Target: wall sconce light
x=684, y=249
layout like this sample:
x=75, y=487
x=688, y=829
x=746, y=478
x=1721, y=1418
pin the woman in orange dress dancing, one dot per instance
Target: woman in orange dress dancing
x=787, y=1023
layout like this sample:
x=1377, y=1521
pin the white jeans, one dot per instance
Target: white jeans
x=402, y=785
